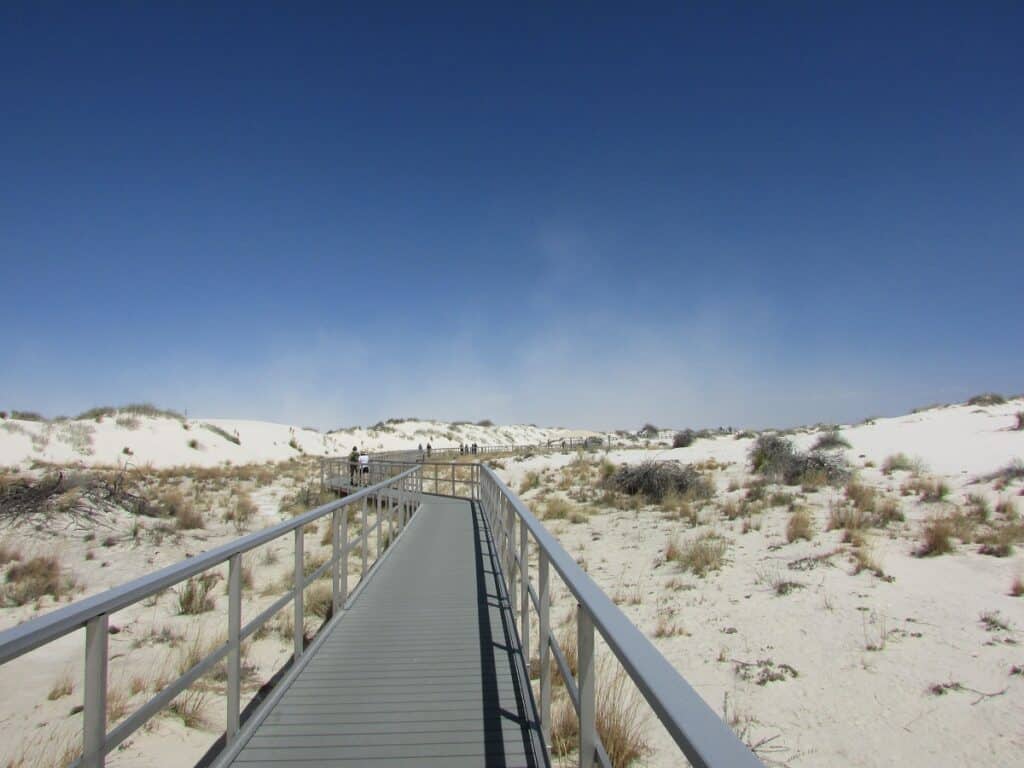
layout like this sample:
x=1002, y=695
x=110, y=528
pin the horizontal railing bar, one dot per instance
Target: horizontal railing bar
x=39, y=631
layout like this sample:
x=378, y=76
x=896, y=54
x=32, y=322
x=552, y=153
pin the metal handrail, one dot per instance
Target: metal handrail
x=402, y=493
x=701, y=735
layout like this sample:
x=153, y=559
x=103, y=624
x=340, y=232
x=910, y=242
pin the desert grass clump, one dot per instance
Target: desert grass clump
x=529, y=481
x=620, y=725
x=8, y=553
x=557, y=509
x=196, y=596
x=231, y=438
x=653, y=480
x=899, y=462
x=63, y=686
x=936, y=538
x=319, y=600
x=979, y=507
x=1019, y=426
x=34, y=578
x=189, y=705
x=930, y=491
x=799, y=525
x=700, y=556
x=243, y=511
x=1017, y=587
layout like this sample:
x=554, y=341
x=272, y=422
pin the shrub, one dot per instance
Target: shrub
x=799, y=525
x=32, y=579
x=684, y=439
x=1020, y=421
x=485, y=423
x=193, y=444
x=987, y=398
x=777, y=460
x=654, y=480
x=861, y=496
x=128, y=422
x=648, y=430
x=1017, y=588
x=619, y=722
x=194, y=597
x=936, y=538
x=771, y=456
x=830, y=440
x=26, y=416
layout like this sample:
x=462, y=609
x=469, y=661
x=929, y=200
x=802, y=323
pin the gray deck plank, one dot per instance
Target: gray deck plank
x=423, y=668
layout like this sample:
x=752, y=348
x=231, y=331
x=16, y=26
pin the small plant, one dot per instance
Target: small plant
x=244, y=510
x=930, y=491
x=799, y=525
x=193, y=444
x=63, y=686
x=993, y=621
x=1017, y=588
x=1020, y=421
x=898, y=462
x=195, y=596
x=32, y=579
x=702, y=555
x=557, y=509
x=189, y=706
x=530, y=481
x=936, y=538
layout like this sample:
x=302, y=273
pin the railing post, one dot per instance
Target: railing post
x=588, y=698
x=544, y=650
x=343, y=575
x=366, y=541
x=300, y=579
x=524, y=583
x=94, y=697
x=337, y=599
x=234, y=646
x=377, y=523
x=453, y=478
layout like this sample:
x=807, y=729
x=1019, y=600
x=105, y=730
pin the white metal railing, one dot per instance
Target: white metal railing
x=699, y=733
x=394, y=499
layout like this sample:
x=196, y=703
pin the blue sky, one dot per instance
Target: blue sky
x=724, y=213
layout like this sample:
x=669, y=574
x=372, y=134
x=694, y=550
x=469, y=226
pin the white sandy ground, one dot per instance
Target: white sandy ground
x=847, y=706
x=167, y=442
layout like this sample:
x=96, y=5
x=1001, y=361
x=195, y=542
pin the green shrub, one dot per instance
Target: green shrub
x=684, y=439
x=654, y=480
x=987, y=398
x=830, y=440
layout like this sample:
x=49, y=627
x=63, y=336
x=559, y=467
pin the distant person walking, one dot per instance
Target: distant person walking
x=353, y=464
x=428, y=450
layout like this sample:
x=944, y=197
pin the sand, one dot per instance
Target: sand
x=867, y=651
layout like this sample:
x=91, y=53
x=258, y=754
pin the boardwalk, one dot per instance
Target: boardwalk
x=423, y=669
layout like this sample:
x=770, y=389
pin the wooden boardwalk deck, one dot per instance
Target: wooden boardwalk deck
x=423, y=669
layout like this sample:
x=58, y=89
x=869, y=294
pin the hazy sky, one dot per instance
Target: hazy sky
x=699, y=214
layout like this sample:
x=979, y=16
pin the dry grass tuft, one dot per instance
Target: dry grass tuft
x=32, y=579
x=319, y=600
x=702, y=555
x=899, y=462
x=936, y=539
x=557, y=509
x=799, y=525
x=1017, y=588
x=62, y=687
x=189, y=706
x=195, y=596
x=530, y=481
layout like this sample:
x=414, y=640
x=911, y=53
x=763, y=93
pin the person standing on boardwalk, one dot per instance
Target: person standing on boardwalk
x=353, y=464
x=364, y=468
x=428, y=450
